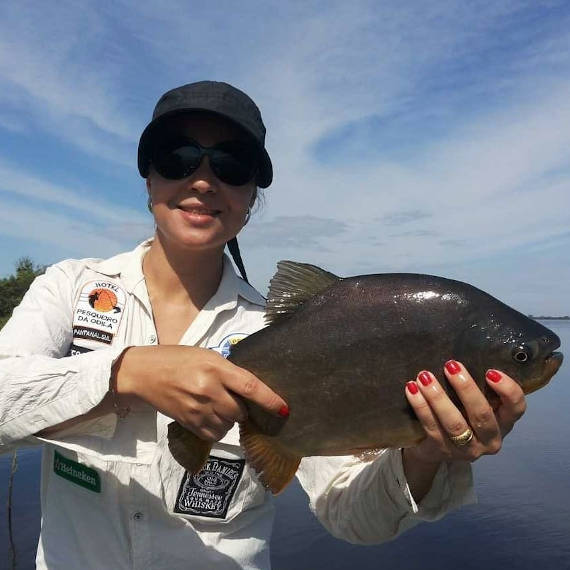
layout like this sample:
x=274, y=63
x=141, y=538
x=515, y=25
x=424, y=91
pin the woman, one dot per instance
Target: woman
x=134, y=330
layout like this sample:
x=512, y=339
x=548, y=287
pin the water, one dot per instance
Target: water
x=522, y=519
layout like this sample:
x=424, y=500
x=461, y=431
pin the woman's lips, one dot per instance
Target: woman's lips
x=198, y=213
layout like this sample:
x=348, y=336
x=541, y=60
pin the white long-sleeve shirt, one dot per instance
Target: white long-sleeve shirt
x=112, y=495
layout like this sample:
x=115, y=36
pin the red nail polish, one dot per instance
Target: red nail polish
x=412, y=387
x=493, y=375
x=452, y=367
x=425, y=378
x=284, y=411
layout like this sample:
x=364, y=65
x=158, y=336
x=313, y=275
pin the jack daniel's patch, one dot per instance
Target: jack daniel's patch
x=209, y=492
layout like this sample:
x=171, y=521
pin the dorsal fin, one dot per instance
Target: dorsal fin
x=292, y=285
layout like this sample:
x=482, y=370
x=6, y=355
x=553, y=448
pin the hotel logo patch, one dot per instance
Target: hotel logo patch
x=225, y=346
x=98, y=312
x=209, y=492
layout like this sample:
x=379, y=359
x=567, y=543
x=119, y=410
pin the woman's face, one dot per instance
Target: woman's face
x=200, y=211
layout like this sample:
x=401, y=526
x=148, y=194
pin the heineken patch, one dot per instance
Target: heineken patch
x=76, y=473
x=210, y=492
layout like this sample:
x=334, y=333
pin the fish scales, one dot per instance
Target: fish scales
x=340, y=351
x=355, y=346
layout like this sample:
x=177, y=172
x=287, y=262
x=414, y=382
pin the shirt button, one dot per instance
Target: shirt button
x=138, y=516
x=152, y=338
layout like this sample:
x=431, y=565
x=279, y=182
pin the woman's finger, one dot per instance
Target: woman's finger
x=477, y=408
x=208, y=427
x=245, y=384
x=422, y=410
x=513, y=403
x=448, y=416
x=231, y=408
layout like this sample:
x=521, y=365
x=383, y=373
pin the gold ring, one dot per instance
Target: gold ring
x=462, y=439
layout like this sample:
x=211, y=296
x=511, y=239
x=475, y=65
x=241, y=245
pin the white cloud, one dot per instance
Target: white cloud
x=34, y=190
x=483, y=184
x=77, y=238
x=496, y=84
x=60, y=72
x=53, y=62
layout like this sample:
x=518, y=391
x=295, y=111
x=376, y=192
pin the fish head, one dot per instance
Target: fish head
x=536, y=360
x=515, y=344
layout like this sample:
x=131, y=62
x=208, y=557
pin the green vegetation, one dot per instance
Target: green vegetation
x=13, y=288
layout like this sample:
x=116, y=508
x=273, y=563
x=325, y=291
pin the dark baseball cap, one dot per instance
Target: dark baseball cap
x=213, y=97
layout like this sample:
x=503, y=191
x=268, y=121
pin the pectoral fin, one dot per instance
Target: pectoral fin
x=188, y=449
x=275, y=465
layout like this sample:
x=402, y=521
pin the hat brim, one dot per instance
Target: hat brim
x=264, y=175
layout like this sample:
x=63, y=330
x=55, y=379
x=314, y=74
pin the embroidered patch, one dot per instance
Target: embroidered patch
x=92, y=334
x=76, y=473
x=226, y=344
x=209, y=492
x=74, y=350
x=98, y=312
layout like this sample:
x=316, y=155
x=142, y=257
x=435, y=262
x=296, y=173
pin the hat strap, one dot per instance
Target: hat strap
x=236, y=255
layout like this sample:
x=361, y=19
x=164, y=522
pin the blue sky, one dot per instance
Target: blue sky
x=422, y=137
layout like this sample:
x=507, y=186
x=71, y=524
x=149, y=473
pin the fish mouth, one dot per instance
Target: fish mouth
x=553, y=362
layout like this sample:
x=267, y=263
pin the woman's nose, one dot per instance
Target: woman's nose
x=203, y=180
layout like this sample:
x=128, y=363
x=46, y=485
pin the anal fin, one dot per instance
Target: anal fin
x=187, y=448
x=275, y=465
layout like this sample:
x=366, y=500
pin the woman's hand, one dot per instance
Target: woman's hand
x=197, y=387
x=442, y=420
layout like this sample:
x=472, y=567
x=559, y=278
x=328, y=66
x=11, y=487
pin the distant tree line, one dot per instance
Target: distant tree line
x=13, y=287
x=546, y=318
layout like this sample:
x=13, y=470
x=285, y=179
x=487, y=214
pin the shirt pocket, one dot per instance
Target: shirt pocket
x=225, y=492
x=74, y=480
x=82, y=495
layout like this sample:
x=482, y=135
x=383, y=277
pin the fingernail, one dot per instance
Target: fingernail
x=493, y=375
x=412, y=387
x=452, y=367
x=425, y=378
x=284, y=411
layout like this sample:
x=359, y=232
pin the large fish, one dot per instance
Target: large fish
x=339, y=351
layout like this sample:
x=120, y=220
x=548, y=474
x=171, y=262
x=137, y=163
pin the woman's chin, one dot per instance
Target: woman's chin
x=195, y=239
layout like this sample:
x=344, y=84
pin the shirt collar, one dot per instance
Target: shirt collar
x=231, y=286
x=128, y=267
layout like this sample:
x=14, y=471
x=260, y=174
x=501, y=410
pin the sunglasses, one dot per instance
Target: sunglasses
x=233, y=162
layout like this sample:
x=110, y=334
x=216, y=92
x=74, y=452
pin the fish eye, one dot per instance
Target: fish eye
x=521, y=354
